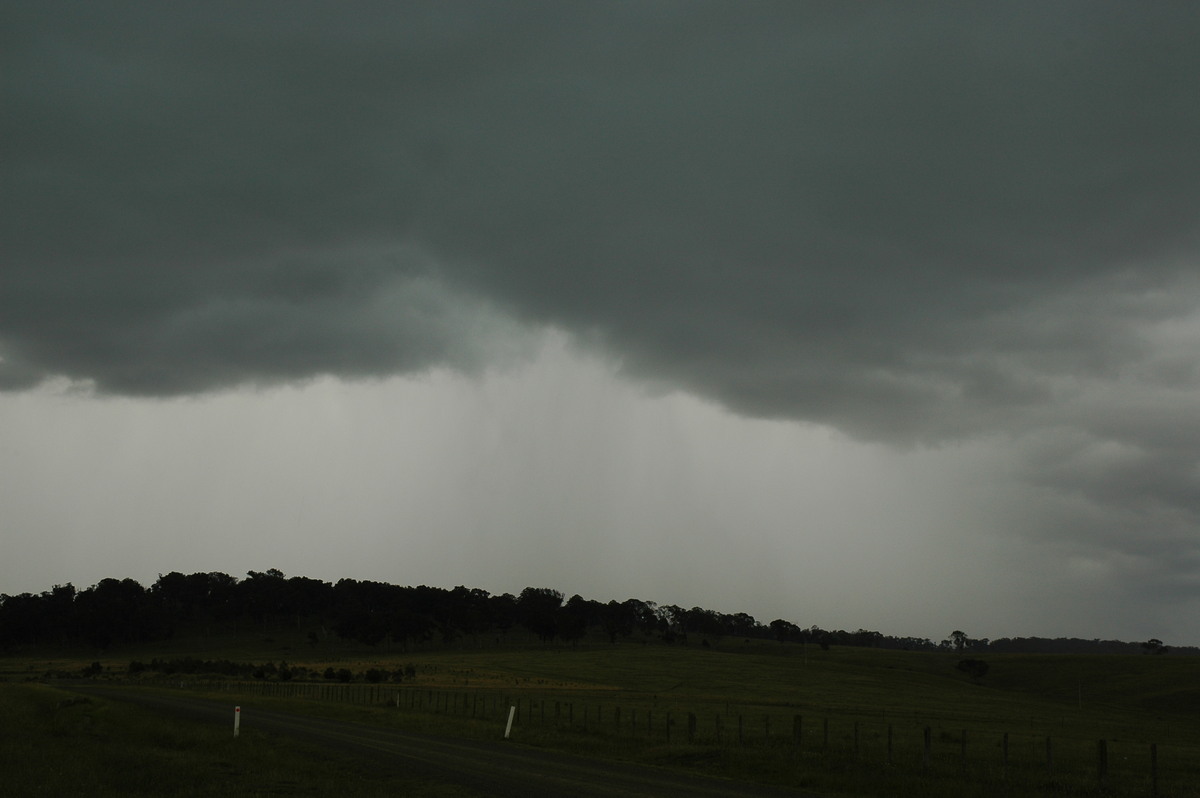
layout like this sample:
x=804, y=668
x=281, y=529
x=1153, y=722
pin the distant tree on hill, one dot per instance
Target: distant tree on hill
x=865, y=638
x=538, y=610
x=785, y=631
x=575, y=618
x=1155, y=646
x=617, y=620
x=116, y=611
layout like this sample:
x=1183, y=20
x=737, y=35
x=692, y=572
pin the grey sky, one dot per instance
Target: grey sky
x=870, y=310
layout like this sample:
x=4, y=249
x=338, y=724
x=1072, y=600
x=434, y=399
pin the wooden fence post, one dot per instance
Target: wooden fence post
x=928, y=746
x=1154, y=768
x=1101, y=760
x=1004, y=769
x=889, y=745
x=718, y=728
x=691, y=729
x=797, y=728
x=1049, y=757
x=825, y=734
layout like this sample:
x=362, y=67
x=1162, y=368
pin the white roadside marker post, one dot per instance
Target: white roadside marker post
x=237, y=720
x=508, y=729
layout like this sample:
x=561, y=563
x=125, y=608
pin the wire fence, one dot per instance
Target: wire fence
x=910, y=745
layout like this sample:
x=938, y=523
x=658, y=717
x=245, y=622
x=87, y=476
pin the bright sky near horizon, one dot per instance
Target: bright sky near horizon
x=862, y=315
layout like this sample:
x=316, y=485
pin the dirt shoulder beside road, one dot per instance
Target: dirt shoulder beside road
x=491, y=768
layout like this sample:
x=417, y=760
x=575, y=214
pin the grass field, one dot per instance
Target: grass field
x=748, y=701
x=57, y=743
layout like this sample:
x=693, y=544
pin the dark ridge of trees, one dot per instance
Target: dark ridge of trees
x=1072, y=645
x=119, y=612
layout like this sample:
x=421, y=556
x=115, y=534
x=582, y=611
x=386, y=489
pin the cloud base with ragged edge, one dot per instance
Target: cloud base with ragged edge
x=880, y=218
x=916, y=225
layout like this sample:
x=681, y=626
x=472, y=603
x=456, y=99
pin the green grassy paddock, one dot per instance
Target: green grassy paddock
x=59, y=743
x=848, y=701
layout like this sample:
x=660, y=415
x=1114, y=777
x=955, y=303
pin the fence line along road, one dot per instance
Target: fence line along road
x=497, y=769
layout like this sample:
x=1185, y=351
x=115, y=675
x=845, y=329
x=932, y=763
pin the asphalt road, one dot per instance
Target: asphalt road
x=492, y=768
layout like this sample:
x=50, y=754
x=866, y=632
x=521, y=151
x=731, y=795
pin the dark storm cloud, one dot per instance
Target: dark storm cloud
x=919, y=223
x=912, y=222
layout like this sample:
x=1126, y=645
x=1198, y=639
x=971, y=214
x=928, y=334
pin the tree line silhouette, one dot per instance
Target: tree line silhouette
x=121, y=611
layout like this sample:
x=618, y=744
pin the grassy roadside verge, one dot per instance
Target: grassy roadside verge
x=60, y=743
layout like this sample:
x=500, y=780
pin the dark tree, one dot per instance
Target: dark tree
x=116, y=611
x=785, y=631
x=575, y=618
x=538, y=609
x=618, y=619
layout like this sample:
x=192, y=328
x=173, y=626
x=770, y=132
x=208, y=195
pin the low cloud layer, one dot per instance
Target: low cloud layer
x=917, y=224
x=905, y=222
